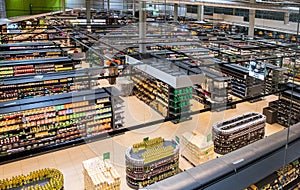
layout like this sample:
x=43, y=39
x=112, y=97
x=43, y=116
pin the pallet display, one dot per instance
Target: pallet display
x=234, y=133
x=35, y=124
x=100, y=175
x=285, y=178
x=196, y=148
x=46, y=179
x=150, y=161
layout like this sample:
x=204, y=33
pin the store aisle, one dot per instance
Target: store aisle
x=69, y=161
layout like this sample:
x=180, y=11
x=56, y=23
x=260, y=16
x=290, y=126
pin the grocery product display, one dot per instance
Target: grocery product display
x=284, y=178
x=234, y=133
x=180, y=78
x=274, y=77
x=56, y=120
x=150, y=161
x=196, y=148
x=24, y=87
x=151, y=91
x=100, y=174
x=242, y=84
x=215, y=91
x=170, y=100
x=285, y=110
x=46, y=179
x=36, y=66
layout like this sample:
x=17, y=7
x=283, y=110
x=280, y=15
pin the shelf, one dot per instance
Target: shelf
x=36, y=61
x=68, y=127
x=30, y=51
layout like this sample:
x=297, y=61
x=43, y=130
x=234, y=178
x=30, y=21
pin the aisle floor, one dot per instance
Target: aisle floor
x=69, y=160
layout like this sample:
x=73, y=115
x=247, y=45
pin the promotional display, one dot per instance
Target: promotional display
x=43, y=179
x=100, y=175
x=234, y=133
x=150, y=161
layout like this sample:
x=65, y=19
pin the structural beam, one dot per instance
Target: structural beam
x=175, y=12
x=88, y=14
x=142, y=26
x=233, y=4
x=200, y=13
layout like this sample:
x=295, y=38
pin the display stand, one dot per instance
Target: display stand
x=150, y=161
x=242, y=85
x=100, y=175
x=37, y=66
x=196, y=148
x=285, y=178
x=37, y=124
x=46, y=179
x=289, y=106
x=165, y=88
x=237, y=132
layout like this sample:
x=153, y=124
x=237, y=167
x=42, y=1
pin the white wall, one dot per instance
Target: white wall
x=96, y=4
x=273, y=25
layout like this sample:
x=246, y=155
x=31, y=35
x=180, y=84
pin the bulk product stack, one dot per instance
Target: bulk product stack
x=150, y=161
x=44, y=179
x=237, y=132
x=196, y=148
x=100, y=175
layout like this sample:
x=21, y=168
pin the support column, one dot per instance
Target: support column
x=286, y=17
x=175, y=12
x=200, y=13
x=2, y=9
x=108, y=5
x=233, y=11
x=298, y=23
x=251, y=20
x=133, y=8
x=88, y=14
x=63, y=6
x=142, y=26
